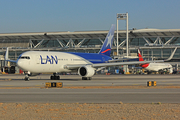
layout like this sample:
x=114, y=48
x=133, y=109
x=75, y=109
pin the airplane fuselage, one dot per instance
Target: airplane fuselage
x=157, y=66
x=43, y=61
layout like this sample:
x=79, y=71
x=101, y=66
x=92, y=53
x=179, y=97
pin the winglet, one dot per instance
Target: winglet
x=171, y=55
x=106, y=48
x=6, y=57
x=7, y=54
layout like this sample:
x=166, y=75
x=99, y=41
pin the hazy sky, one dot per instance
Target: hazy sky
x=86, y=15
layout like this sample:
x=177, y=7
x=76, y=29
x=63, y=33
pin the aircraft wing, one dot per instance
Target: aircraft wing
x=124, y=63
x=121, y=59
x=132, y=62
x=72, y=66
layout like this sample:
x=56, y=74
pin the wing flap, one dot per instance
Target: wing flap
x=121, y=59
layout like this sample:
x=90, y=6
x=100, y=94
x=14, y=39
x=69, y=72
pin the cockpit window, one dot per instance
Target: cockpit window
x=24, y=57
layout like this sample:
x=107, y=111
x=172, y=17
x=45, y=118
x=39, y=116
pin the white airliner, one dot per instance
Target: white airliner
x=155, y=67
x=35, y=62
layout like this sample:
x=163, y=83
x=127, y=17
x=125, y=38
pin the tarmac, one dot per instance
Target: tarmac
x=101, y=89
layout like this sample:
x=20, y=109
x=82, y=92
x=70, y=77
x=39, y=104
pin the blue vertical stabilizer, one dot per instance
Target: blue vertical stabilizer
x=106, y=48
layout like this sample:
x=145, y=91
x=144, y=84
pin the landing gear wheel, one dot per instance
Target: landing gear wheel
x=84, y=78
x=54, y=77
x=26, y=79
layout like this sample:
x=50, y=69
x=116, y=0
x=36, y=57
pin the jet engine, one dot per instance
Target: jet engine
x=86, y=71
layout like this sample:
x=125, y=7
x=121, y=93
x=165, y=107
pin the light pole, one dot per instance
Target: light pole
x=123, y=16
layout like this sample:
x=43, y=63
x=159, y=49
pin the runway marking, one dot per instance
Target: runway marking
x=93, y=87
x=169, y=84
x=76, y=93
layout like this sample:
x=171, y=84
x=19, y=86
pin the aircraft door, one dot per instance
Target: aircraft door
x=37, y=59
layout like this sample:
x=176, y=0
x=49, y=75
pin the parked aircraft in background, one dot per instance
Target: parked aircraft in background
x=35, y=62
x=156, y=67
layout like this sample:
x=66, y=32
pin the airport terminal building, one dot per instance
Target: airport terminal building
x=154, y=43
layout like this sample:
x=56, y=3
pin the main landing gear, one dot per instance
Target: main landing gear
x=86, y=78
x=54, y=77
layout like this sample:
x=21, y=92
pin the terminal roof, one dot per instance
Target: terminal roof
x=92, y=34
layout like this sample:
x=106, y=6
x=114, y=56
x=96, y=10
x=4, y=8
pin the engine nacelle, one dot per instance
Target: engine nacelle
x=86, y=71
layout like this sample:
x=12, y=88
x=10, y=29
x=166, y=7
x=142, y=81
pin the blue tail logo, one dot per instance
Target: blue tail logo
x=106, y=48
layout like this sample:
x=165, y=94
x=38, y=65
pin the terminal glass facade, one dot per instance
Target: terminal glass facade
x=152, y=46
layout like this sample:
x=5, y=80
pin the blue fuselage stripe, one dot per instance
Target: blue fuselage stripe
x=93, y=57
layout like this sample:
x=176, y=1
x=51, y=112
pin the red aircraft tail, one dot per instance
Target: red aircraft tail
x=140, y=56
x=141, y=59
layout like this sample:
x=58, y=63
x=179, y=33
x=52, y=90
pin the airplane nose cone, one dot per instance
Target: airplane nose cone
x=19, y=63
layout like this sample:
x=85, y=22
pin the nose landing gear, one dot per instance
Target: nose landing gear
x=26, y=78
